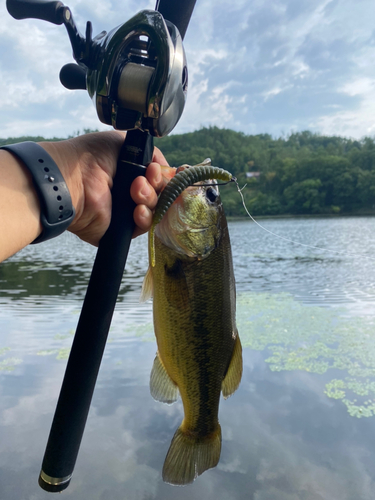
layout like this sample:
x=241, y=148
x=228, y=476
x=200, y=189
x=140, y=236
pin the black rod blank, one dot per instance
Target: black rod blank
x=177, y=12
x=95, y=319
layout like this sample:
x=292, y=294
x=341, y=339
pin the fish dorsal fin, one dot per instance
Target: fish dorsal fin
x=147, y=286
x=162, y=387
x=233, y=376
x=206, y=162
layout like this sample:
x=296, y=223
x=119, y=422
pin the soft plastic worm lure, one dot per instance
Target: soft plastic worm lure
x=174, y=188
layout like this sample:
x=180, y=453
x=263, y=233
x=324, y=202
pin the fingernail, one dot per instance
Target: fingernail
x=145, y=214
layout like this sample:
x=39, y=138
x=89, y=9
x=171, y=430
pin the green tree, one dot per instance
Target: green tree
x=300, y=173
x=305, y=197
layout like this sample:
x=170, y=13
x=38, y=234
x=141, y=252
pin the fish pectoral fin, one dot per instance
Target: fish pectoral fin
x=233, y=376
x=189, y=456
x=147, y=286
x=162, y=387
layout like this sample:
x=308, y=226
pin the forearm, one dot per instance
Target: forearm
x=19, y=206
x=88, y=165
x=77, y=161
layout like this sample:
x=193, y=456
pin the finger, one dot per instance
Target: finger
x=137, y=232
x=154, y=176
x=158, y=157
x=142, y=218
x=143, y=193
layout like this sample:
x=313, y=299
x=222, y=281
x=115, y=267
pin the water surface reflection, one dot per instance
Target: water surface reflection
x=283, y=437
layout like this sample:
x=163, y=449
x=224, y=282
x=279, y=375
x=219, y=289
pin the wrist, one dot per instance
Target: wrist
x=65, y=156
x=57, y=210
x=19, y=206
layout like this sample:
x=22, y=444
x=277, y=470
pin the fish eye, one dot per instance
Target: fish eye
x=211, y=194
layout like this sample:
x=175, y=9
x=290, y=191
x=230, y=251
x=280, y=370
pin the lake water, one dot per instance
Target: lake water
x=300, y=427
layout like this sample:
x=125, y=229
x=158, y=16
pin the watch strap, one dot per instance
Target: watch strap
x=57, y=211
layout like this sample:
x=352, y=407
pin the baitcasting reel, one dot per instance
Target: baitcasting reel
x=136, y=74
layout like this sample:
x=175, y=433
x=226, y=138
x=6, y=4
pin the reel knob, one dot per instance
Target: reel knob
x=36, y=9
x=73, y=77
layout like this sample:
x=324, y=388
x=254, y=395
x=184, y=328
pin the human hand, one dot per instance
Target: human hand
x=88, y=164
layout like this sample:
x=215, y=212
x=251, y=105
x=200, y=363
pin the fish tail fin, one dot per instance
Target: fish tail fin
x=189, y=456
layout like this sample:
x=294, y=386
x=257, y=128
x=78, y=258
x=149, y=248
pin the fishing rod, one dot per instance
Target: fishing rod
x=137, y=77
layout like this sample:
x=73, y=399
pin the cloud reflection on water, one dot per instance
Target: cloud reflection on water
x=283, y=438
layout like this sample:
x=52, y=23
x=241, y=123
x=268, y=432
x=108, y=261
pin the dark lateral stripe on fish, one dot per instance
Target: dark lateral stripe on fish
x=176, y=270
x=203, y=348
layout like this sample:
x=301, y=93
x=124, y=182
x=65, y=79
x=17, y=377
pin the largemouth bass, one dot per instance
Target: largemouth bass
x=194, y=301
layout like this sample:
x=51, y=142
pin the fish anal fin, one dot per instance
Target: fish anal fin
x=162, y=387
x=189, y=456
x=233, y=376
x=147, y=286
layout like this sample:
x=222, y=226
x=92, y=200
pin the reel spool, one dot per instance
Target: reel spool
x=133, y=87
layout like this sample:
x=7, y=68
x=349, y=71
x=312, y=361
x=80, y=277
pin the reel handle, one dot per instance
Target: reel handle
x=51, y=11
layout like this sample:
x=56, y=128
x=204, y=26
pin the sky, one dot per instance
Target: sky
x=255, y=66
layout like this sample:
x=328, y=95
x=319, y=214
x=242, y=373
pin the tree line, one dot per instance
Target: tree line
x=302, y=173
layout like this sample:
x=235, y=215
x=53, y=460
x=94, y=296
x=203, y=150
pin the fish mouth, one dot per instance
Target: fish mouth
x=198, y=229
x=176, y=242
x=205, y=251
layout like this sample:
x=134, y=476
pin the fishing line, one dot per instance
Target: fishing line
x=342, y=252
x=233, y=179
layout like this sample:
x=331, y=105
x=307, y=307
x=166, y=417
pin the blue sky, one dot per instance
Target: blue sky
x=257, y=66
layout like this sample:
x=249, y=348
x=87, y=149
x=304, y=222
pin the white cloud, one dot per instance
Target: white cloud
x=276, y=64
x=359, y=86
x=273, y=92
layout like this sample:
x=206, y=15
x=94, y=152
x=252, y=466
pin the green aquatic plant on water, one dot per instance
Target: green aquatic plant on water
x=307, y=338
x=313, y=339
x=296, y=336
x=62, y=353
x=142, y=330
x=8, y=364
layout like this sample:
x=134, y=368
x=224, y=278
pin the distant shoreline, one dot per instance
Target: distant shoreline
x=299, y=216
